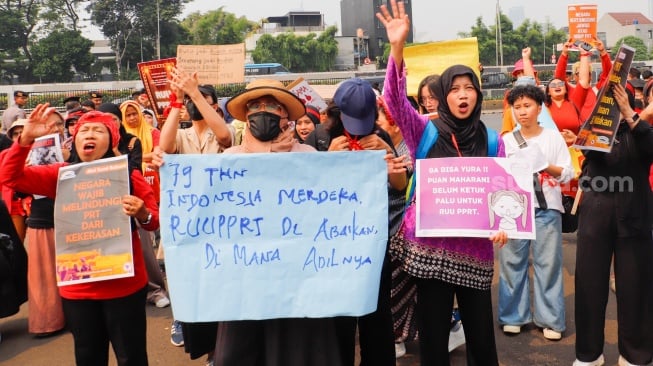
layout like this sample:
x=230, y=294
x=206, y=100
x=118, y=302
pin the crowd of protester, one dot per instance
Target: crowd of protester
x=430, y=287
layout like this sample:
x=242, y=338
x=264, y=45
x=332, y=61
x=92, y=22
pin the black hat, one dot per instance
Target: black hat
x=95, y=94
x=207, y=89
x=110, y=108
x=71, y=98
x=20, y=93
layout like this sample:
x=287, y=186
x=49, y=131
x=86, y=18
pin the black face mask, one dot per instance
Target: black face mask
x=193, y=111
x=264, y=126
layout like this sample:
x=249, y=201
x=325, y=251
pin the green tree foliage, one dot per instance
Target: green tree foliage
x=18, y=20
x=123, y=20
x=299, y=53
x=217, y=27
x=55, y=54
x=641, y=51
x=59, y=14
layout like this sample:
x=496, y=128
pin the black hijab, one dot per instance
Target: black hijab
x=470, y=133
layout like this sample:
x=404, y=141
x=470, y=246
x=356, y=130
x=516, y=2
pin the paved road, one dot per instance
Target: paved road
x=528, y=348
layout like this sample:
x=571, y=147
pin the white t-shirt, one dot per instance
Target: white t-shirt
x=556, y=152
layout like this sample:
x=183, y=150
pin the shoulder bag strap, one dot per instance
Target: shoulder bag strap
x=537, y=186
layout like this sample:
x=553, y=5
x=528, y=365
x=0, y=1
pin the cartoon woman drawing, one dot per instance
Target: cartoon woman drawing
x=508, y=205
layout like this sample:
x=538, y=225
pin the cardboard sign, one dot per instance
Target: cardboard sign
x=582, y=22
x=599, y=131
x=461, y=197
x=214, y=64
x=155, y=75
x=262, y=236
x=304, y=91
x=93, y=235
x=434, y=58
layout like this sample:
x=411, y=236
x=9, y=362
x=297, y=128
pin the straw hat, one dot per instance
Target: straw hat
x=237, y=106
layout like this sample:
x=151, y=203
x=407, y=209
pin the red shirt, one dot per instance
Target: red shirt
x=43, y=180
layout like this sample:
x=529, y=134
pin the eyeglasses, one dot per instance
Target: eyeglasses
x=557, y=84
x=427, y=98
x=269, y=107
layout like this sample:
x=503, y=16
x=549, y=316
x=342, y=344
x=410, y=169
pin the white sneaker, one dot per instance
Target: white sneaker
x=551, y=334
x=456, y=337
x=400, y=349
x=162, y=302
x=624, y=362
x=598, y=362
x=512, y=329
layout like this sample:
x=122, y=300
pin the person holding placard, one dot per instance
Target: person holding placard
x=266, y=106
x=581, y=77
x=615, y=222
x=105, y=312
x=444, y=267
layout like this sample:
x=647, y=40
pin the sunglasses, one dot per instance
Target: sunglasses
x=269, y=107
x=557, y=84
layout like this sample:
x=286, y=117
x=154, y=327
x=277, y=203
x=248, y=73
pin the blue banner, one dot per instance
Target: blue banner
x=261, y=236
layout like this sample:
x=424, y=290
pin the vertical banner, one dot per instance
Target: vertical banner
x=93, y=234
x=304, y=91
x=598, y=132
x=155, y=75
x=582, y=22
x=263, y=236
x=214, y=64
x=474, y=197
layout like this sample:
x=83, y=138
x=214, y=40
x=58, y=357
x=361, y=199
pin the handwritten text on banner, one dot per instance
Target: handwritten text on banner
x=259, y=236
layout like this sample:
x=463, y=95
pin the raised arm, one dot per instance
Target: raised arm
x=168, y=139
x=410, y=122
x=561, y=66
x=189, y=83
x=528, y=63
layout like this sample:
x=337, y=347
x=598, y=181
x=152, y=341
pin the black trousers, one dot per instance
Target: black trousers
x=601, y=236
x=375, y=330
x=96, y=323
x=434, y=304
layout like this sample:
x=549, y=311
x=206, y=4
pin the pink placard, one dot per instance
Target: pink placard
x=474, y=197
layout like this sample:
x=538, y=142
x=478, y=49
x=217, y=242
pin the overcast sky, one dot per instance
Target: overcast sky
x=432, y=20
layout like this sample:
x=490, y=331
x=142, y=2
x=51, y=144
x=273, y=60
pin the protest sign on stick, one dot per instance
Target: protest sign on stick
x=93, y=234
x=582, y=22
x=155, y=75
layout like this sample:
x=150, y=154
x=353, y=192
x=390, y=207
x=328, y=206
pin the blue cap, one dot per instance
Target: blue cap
x=357, y=102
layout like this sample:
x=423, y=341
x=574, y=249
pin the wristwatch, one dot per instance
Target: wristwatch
x=632, y=119
x=148, y=220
